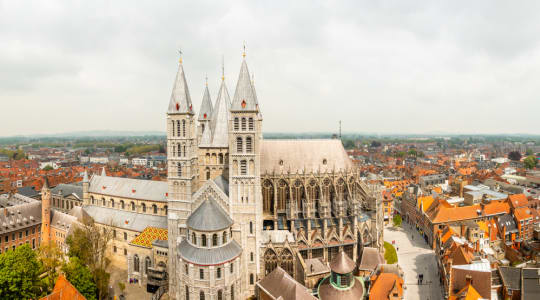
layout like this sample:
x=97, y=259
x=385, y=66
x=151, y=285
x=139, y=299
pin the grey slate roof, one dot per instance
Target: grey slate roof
x=209, y=216
x=206, y=139
x=303, y=154
x=20, y=216
x=180, y=97
x=62, y=220
x=125, y=219
x=508, y=221
x=530, y=283
x=244, y=92
x=280, y=285
x=28, y=191
x=206, y=106
x=511, y=277
x=124, y=187
x=222, y=183
x=68, y=189
x=220, y=118
x=209, y=256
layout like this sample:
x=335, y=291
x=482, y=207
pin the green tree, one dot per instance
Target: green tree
x=530, y=162
x=81, y=278
x=19, y=274
x=89, y=244
x=397, y=220
x=51, y=259
x=48, y=168
x=514, y=155
x=412, y=152
x=528, y=152
x=390, y=254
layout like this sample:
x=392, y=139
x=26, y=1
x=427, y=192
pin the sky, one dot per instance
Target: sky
x=378, y=66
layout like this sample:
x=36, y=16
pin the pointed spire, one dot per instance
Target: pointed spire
x=206, y=106
x=220, y=118
x=180, y=99
x=244, y=96
x=103, y=172
x=45, y=183
x=85, y=177
x=206, y=140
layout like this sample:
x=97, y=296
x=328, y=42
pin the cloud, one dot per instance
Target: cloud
x=379, y=66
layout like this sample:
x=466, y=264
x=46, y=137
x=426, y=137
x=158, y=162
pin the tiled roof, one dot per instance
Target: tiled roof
x=64, y=290
x=446, y=214
x=384, y=284
x=522, y=213
x=149, y=235
x=518, y=200
x=129, y=188
x=467, y=293
x=424, y=202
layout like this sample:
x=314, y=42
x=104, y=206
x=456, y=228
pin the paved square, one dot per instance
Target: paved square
x=415, y=257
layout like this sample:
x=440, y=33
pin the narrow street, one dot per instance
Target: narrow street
x=415, y=257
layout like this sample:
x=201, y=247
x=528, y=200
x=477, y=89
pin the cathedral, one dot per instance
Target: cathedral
x=238, y=206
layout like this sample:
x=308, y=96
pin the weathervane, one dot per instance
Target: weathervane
x=244, y=53
x=180, y=53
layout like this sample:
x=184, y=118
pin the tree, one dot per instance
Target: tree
x=51, y=259
x=89, y=243
x=48, y=168
x=19, y=274
x=530, y=162
x=390, y=254
x=514, y=155
x=412, y=152
x=81, y=278
x=400, y=154
x=528, y=152
x=375, y=144
x=397, y=220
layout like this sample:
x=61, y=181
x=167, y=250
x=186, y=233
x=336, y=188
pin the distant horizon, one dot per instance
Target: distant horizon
x=133, y=133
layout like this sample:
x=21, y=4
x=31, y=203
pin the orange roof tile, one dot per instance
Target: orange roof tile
x=384, y=284
x=64, y=290
x=522, y=213
x=467, y=293
x=518, y=200
x=424, y=202
x=148, y=235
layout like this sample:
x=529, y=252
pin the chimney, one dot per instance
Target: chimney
x=468, y=279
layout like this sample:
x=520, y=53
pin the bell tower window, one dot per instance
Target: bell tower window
x=239, y=146
x=243, y=167
x=236, y=126
x=179, y=166
x=243, y=124
x=251, y=127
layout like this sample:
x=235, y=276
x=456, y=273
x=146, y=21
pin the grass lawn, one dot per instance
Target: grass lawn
x=390, y=254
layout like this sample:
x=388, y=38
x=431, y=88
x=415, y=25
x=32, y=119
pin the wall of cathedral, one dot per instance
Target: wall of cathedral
x=213, y=162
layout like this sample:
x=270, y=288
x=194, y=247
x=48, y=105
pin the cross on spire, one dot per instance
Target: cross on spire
x=244, y=53
x=180, y=53
x=222, y=67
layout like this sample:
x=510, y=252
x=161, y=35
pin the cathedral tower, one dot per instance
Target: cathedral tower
x=205, y=113
x=182, y=167
x=45, y=212
x=245, y=138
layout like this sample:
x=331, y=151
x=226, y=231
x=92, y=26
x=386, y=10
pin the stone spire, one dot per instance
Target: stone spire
x=220, y=118
x=206, y=105
x=103, y=172
x=244, y=96
x=206, y=139
x=180, y=99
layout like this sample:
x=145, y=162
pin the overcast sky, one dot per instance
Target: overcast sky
x=379, y=66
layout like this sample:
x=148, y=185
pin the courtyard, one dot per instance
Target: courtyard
x=415, y=257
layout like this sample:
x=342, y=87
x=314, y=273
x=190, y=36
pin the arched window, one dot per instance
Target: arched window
x=187, y=292
x=177, y=128
x=143, y=207
x=102, y=202
x=251, y=127
x=201, y=295
x=186, y=269
x=248, y=145
x=251, y=256
x=173, y=149
x=154, y=208
x=114, y=233
x=194, y=239
x=203, y=240
x=207, y=173
x=236, y=124
x=184, y=150
x=122, y=204
x=224, y=237
x=232, y=267
x=201, y=274
x=221, y=158
x=172, y=128
x=243, y=167
x=166, y=208
x=251, y=227
x=132, y=205
x=92, y=198
x=136, y=263
x=147, y=264
x=112, y=203
x=179, y=150
x=219, y=295
x=214, y=240
x=239, y=147
x=179, y=170
x=125, y=236
x=218, y=272
x=232, y=291
x=183, y=127
x=251, y=279
x=243, y=124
